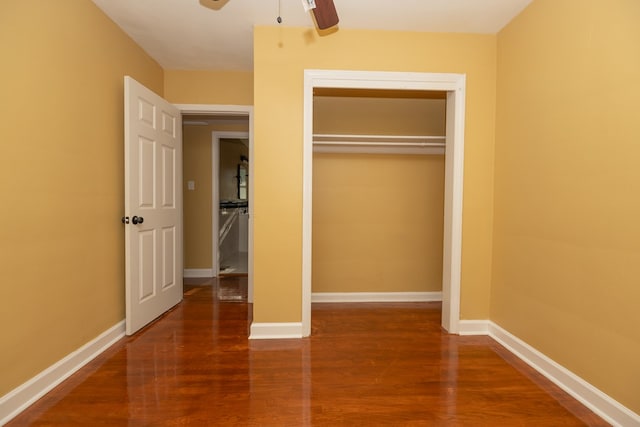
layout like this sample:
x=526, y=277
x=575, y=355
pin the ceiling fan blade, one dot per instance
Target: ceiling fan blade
x=325, y=14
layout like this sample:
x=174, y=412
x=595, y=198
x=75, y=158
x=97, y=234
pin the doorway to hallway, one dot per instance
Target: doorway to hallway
x=227, y=121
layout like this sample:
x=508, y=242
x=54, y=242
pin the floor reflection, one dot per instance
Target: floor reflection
x=282, y=394
x=365, y=364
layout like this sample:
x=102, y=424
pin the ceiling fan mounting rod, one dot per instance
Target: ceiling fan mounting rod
x=279, y=18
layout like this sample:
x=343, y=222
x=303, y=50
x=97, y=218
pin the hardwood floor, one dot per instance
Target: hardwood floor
x=365, y=365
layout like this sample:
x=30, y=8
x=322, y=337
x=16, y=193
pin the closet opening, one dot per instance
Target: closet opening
x=378, y=187
x=382, y=189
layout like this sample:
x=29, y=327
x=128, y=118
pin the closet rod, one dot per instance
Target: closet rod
x=381, y=144
x=377, y=137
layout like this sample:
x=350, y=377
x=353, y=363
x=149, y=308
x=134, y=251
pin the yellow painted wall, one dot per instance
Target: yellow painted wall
x=208, y=87
x=378, y=219
x=280, y=56
x=379, y=116
x=567, y=237
x=197, y=203
x=61, y=179
x=377, y=223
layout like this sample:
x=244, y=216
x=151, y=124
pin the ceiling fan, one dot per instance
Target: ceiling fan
x=324, y=12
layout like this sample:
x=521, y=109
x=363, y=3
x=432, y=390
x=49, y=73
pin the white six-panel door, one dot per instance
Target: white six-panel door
x=153, y=205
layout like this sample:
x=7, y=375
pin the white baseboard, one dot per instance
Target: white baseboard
x=473, y=327
x=17, y=400
x=265, y=331
x=196, y=273
x=606, y=407
x=375, y=296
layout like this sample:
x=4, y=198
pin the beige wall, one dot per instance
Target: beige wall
x=378, y=219
x=280, y=57
x=378, y=116
x=61, y=179
x=208, y=87
x=197, y=203
x=377, y=223
x=567, y=180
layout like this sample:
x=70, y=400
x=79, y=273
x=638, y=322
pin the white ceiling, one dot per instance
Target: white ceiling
x=218, y=34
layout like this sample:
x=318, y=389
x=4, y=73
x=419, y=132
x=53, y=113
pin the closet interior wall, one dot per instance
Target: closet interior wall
x=378, y=216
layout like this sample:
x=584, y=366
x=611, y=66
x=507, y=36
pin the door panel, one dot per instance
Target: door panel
x=169, y=255
x=153, y=202
x=146, y=174
x=146, y=264
x=169, y=174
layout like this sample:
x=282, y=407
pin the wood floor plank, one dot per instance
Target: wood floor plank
x=364, y=365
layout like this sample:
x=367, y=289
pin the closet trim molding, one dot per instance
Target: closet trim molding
x=455, y=86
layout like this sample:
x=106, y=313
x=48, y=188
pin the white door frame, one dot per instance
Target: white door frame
x=232, y=110
x=215, y=194
x=455, y=86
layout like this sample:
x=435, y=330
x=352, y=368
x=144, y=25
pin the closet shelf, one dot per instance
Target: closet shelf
x=381, y=144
